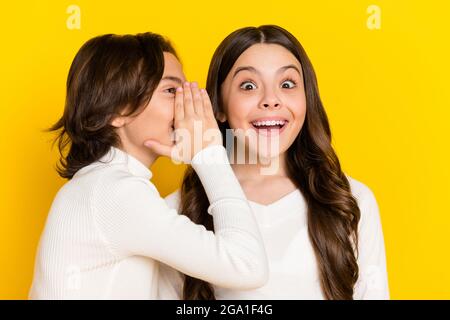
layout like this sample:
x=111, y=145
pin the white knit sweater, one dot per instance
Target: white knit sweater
x=293, y=269
x=108, y=227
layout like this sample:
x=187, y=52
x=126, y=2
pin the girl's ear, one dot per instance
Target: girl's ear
x=118, y=121
x=221, y=117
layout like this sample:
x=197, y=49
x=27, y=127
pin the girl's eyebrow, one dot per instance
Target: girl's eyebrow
x=249, y=68
x=290, y=66
x=254, y=70
x=176, y=79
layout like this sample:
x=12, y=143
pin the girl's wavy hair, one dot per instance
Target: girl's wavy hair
x=312, y=164
x=110, y=75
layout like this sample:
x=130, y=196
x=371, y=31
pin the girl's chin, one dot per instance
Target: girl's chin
x=265, y=152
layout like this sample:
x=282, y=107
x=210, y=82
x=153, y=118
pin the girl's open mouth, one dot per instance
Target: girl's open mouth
x=269, y=127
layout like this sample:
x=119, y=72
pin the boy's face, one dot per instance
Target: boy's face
x=155, y=122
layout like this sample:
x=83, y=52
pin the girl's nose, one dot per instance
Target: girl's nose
x=266, y=105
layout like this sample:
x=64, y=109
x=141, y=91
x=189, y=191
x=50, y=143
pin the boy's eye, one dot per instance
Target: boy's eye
x=247, y=85
x=288, y=84
x=171, y=90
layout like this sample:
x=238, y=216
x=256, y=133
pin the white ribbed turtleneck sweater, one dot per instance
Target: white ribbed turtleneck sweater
x=108, y=228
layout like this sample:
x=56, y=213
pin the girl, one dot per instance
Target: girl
x=321, y=228
x=108, y=226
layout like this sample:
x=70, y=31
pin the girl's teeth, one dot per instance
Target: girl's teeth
x=269, y=123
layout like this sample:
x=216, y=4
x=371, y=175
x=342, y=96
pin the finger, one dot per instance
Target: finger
x=179, y=108
x=207, y=106
x=159, y=148
x=197, y=99
x=187, y=100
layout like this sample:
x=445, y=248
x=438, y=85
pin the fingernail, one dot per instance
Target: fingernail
x=186, y=83
x=202, y=90
x=194, y=84
x=180, y=89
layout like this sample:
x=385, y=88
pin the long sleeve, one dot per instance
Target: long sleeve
x=135, y=220
x=373, y=279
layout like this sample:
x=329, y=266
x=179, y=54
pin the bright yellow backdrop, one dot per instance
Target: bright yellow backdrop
x=385, y=90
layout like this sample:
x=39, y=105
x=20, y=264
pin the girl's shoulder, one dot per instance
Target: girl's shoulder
x=173, y=199
x=366, y=199
x=359, y=189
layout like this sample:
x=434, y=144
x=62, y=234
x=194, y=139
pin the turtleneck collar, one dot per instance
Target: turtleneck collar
x=137, y=168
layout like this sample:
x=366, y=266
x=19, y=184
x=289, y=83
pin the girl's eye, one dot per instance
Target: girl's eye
x=288, y=84
x=171, y=90
x=248, y=85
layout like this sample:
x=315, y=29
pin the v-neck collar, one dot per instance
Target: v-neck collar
x=290, y=206
x=286, y=202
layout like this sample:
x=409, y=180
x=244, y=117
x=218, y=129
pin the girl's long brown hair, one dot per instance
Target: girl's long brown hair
x=312, y=164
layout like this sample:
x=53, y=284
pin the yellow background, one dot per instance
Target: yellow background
x=385, y=91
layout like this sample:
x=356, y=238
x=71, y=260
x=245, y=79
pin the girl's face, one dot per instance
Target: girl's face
x=156, y=120
x=264, y=93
